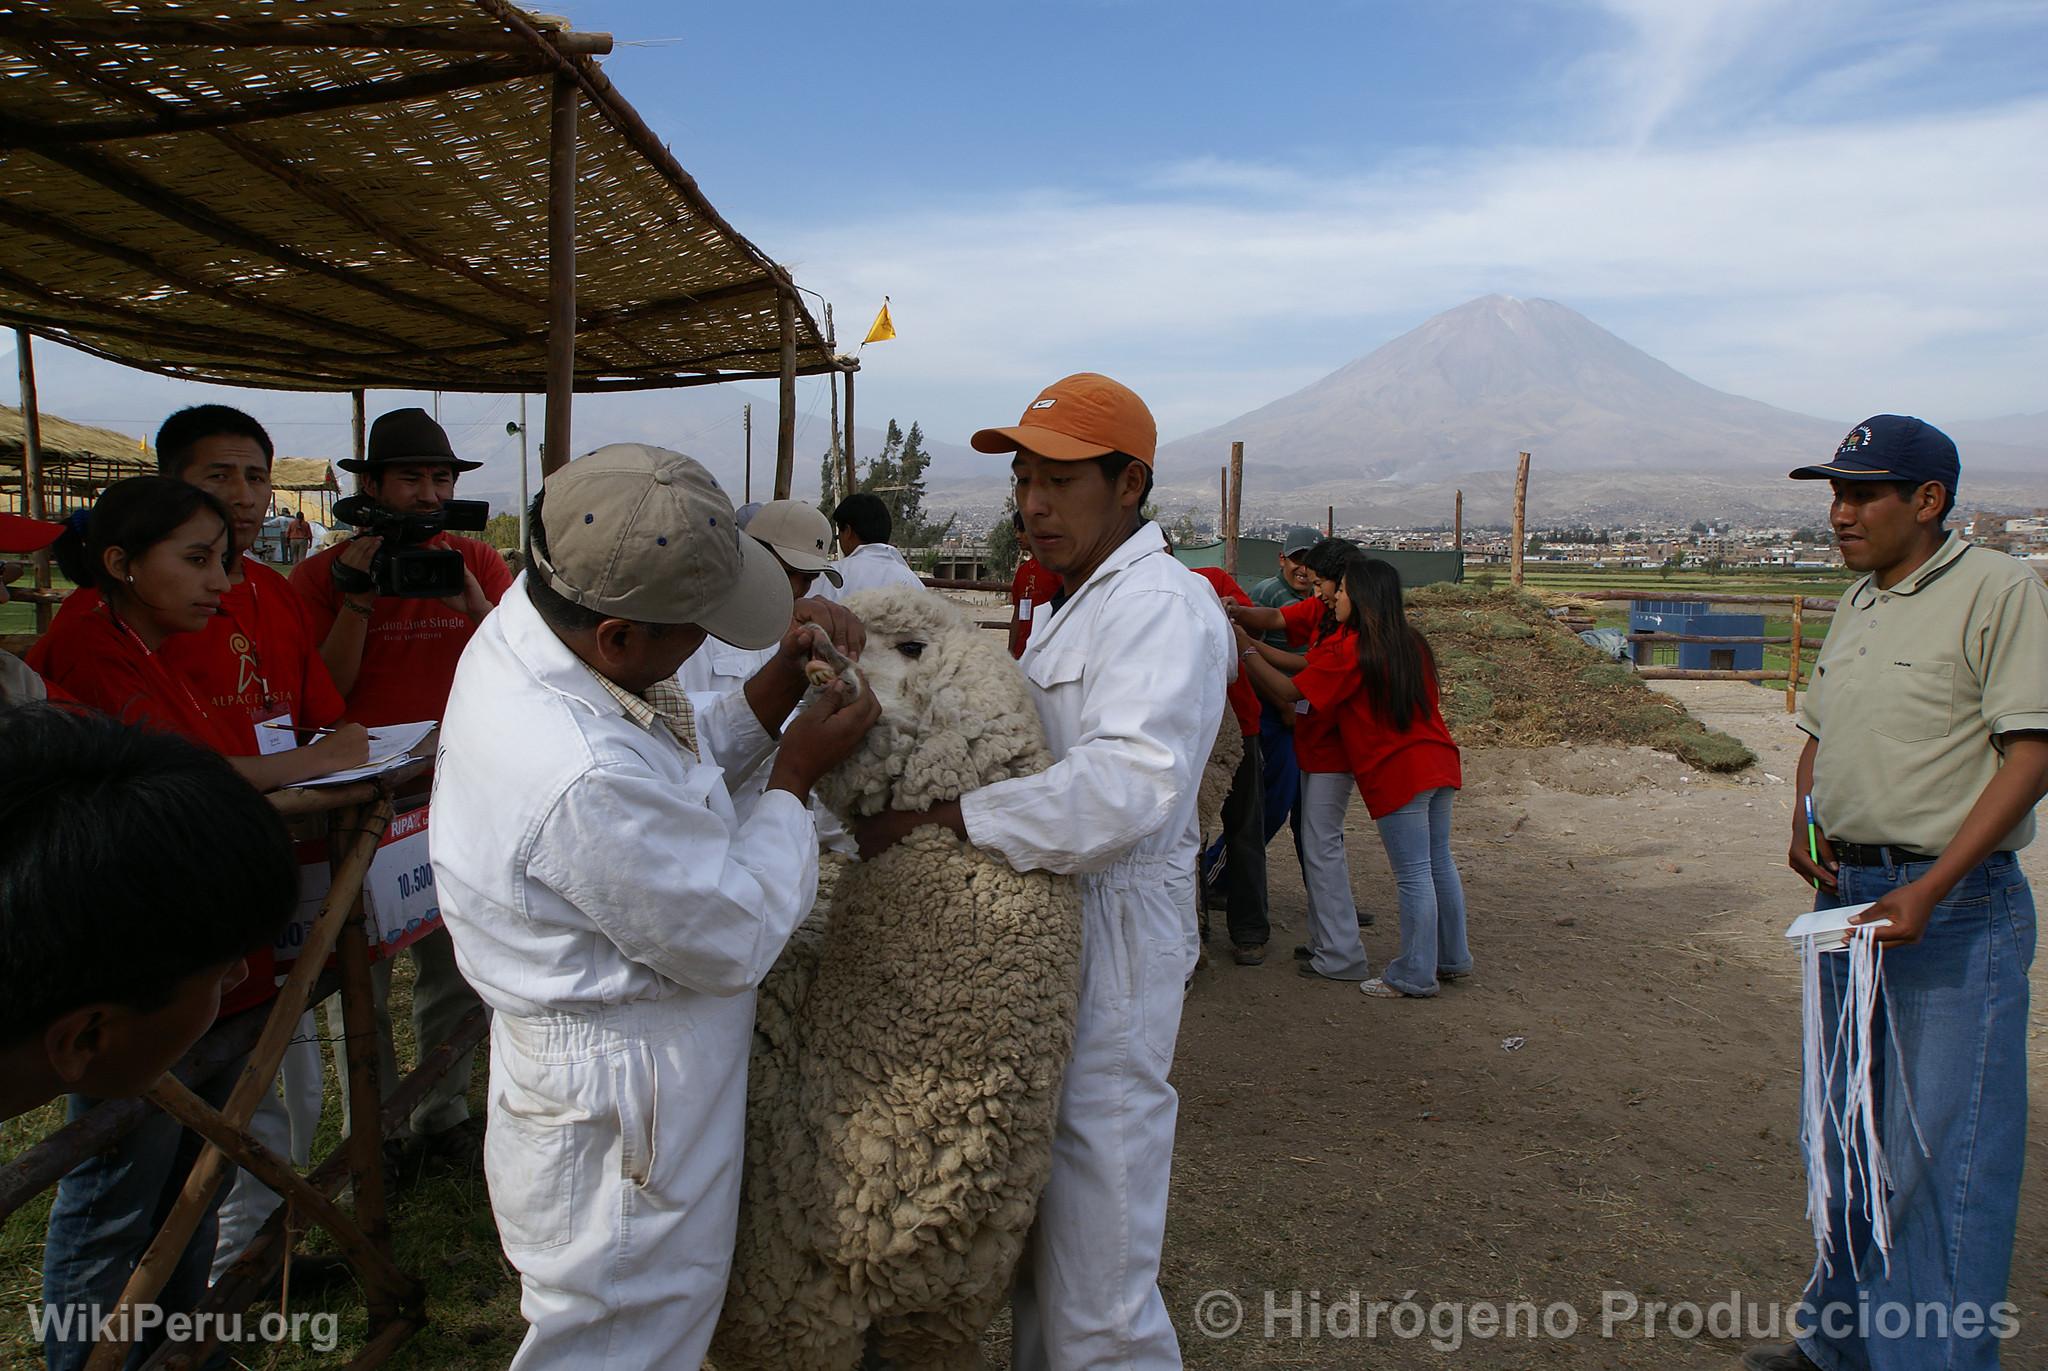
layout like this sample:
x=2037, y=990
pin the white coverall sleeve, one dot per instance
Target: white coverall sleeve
x=730, y=736
x=1151, y=697
x=670, y=885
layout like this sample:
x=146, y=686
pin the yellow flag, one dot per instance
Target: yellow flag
x=884, y=329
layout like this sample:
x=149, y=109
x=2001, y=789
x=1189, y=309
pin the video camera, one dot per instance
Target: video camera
x=402, y=567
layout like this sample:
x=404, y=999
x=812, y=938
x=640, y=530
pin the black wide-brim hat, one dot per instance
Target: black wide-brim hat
x=405, y=436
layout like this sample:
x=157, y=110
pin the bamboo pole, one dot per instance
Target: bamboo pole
x=1521, y=520
x=839, y=472
x=747, y=426
x=32, y=461
x=555, y=442
x=1792, y=672
x=1234, y=508
x=359, y=428
x=1672, y=673
x=210, y=1169
x=785, y=417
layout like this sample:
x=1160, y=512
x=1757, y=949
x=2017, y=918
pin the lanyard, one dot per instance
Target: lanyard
x=160, y=669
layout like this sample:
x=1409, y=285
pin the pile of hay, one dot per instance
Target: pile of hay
x=1512, y=679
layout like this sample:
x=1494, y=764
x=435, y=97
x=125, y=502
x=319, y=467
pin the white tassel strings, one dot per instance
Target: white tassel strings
x=1845, y=1051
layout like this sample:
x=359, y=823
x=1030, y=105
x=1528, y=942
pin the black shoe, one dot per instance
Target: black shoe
x=1249, y=956
x=1366, y=919
x=1301, y=952
x=1783, y=1356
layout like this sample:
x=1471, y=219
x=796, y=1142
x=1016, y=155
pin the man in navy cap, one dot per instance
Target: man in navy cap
x=1927, y=752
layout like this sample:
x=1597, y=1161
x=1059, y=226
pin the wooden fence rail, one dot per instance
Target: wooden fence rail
x=1796, y=640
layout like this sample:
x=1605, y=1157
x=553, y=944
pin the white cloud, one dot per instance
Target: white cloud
x=1816, y=266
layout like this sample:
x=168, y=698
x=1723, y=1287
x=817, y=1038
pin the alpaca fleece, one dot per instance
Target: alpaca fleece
x=909, y=1045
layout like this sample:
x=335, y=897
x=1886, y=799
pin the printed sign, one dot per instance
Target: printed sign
x=399, y=903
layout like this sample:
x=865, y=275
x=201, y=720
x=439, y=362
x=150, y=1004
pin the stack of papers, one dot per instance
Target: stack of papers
x=391, y=747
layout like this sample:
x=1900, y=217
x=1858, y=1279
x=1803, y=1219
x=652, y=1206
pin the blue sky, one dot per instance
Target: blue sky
x=1837, y=206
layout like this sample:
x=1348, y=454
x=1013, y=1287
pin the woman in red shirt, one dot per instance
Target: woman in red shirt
x=1314, y=685
x=1391, y=725
x=156, y=550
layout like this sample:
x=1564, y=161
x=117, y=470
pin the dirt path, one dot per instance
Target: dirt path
x=1641, y=1140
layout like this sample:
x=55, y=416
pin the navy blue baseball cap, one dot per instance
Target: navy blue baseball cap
x=1891, y=447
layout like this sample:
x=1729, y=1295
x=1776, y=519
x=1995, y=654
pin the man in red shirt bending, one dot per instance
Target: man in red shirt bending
x=394, y=659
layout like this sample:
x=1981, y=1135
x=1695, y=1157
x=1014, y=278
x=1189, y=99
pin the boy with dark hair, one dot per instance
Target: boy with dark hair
x=867, y=561
x=115, y=944
x=136, y=872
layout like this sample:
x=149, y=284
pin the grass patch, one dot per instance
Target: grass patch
x=1512, y=679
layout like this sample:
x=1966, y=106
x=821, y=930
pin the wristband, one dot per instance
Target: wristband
x=352, y=607
x=349, y=580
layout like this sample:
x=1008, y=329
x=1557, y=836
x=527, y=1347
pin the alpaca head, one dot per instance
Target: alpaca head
x=956, y=711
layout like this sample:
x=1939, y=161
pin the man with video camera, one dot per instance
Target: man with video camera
x=394, y=606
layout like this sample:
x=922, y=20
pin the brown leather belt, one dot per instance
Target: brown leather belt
x=1876, y=854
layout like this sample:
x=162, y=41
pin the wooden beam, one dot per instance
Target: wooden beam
x=562, y=98
x=1458, y=522
x=1519, y=537
x=32, y=460
x=621, y=115
x=1798, y=641
x=851, y=468
x=134, y=30
x=16, y=132
x=358, y=424
x=785, y=417
x=1235, y=512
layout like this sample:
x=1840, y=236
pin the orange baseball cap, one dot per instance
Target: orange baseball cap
x=1085, y=415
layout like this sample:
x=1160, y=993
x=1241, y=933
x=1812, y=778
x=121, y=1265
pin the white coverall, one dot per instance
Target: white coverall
x=1128, y=677
x=609, y=906
x=871, y=566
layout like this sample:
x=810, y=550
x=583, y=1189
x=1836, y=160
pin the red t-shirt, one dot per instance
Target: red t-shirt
x=1243, y=696
x=1317, y=746
x=1392, y=766
x=96, y=660
x=1031, y=590
x=410, y=653
x=256, y=659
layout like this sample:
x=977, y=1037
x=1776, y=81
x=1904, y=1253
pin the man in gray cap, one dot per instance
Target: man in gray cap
x=610, y=906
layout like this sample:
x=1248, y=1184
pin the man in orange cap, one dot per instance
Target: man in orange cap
x=1127, y=664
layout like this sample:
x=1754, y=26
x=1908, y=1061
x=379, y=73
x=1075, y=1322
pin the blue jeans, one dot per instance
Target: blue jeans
x=1957, y=1005
x=105, y=1213
x=1282, y=775
x=1417, y=837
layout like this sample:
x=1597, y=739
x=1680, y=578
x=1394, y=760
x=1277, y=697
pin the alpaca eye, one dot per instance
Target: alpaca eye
x=911, y=649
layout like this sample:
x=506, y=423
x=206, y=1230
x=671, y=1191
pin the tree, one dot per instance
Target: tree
x=1004, y=548
x=1699, y=528
x=896, y=474
x=502, y=532
x=1535, y=545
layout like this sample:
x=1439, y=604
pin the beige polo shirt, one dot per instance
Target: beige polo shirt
x=1912, y=690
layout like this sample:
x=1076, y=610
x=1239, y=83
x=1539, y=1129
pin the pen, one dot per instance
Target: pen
x=1812, y=839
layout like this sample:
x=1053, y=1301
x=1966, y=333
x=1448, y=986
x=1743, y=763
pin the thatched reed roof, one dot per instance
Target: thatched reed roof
x=79, y=461
x=302, y=473
x=353, y=194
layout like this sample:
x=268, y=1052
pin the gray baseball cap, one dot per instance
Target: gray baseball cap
x=798, y=534
x=1298, y=541
x=642, y=533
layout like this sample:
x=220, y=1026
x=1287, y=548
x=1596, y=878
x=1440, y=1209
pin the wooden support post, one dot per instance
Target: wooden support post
x=359, y=425
x=851, y=479
x=1798, y=636
x=1233, y=508
x=365, y=1143
x=1458, y=522
x=1222, y=501
x=555, y=443
x=1330, y=522
x=211, y=1167
x=1521, y=520
x=832, y=385
x=32, y=460
x=785, y=418
x=747, y=424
